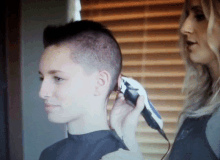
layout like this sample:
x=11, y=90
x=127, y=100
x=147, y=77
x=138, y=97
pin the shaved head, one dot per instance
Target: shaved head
x=92, y=46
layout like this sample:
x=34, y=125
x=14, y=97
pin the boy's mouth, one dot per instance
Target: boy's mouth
x=50, y=107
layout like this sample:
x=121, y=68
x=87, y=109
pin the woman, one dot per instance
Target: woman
x=198, y=135
x=199, y=131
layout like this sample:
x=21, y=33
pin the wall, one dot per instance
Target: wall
x=38, y=132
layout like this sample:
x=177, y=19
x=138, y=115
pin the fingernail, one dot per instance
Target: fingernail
x=122, y=97
x=120, y=94
x=117, y=111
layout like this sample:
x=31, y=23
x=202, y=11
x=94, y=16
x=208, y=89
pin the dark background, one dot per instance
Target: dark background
x=24, y=128
x=10, y=82
x=3, y=87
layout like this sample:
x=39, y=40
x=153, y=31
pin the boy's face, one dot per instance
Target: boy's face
x=65, y=87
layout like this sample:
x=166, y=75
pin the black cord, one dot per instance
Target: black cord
x=164, y=135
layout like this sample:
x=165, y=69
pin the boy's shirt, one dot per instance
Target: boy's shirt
x=90, y=146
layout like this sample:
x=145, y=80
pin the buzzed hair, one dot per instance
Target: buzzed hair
x=92, y=46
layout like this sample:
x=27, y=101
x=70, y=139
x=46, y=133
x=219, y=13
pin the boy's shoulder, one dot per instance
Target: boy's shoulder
x=91, y=146
x=52, y=151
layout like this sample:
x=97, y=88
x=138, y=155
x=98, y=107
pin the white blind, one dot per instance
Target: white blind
x=147, y=31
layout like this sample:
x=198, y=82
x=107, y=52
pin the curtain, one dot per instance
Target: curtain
x=147, y=31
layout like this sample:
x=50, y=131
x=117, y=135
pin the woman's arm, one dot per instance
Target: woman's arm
x=124, y=120
x=122, y=155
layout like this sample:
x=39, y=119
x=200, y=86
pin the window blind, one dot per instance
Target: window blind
x=147, y=31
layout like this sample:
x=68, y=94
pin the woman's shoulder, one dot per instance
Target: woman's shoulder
x=213, y=132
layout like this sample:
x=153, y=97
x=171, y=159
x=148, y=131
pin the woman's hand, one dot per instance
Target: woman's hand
x=124, y=120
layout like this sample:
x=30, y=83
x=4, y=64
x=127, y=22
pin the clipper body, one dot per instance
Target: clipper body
x=131, y=90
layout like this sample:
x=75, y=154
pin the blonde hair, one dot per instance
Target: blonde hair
x=202, y=93
x=212, y=13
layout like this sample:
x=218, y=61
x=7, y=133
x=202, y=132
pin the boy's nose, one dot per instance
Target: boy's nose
x=46, y=90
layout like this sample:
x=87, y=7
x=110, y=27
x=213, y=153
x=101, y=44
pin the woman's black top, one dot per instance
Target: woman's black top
x=91, y=146
x=191, y=142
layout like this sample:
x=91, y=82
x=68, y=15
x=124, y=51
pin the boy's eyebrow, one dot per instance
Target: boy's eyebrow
x=51, y=72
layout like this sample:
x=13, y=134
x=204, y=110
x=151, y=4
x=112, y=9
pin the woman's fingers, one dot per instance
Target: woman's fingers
x=139, y=106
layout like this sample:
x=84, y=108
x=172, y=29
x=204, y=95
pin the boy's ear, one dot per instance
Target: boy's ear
x=103, y=80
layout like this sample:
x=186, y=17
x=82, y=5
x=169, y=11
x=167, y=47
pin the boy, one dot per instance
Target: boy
x=79, y=69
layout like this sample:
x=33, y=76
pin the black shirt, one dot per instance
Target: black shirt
x=191, y=142
x=90, y=146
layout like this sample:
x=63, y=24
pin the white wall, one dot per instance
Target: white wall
x=38, y=132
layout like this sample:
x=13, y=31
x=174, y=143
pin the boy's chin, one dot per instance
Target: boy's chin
x=56, y=119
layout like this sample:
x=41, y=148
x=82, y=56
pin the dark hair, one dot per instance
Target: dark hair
x=92, y=46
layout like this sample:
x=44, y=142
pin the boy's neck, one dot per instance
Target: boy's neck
x=95, y=120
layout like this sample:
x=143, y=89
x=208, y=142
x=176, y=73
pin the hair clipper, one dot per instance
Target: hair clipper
x=131, y=90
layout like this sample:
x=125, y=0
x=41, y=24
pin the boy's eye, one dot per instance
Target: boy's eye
x=58, y=79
